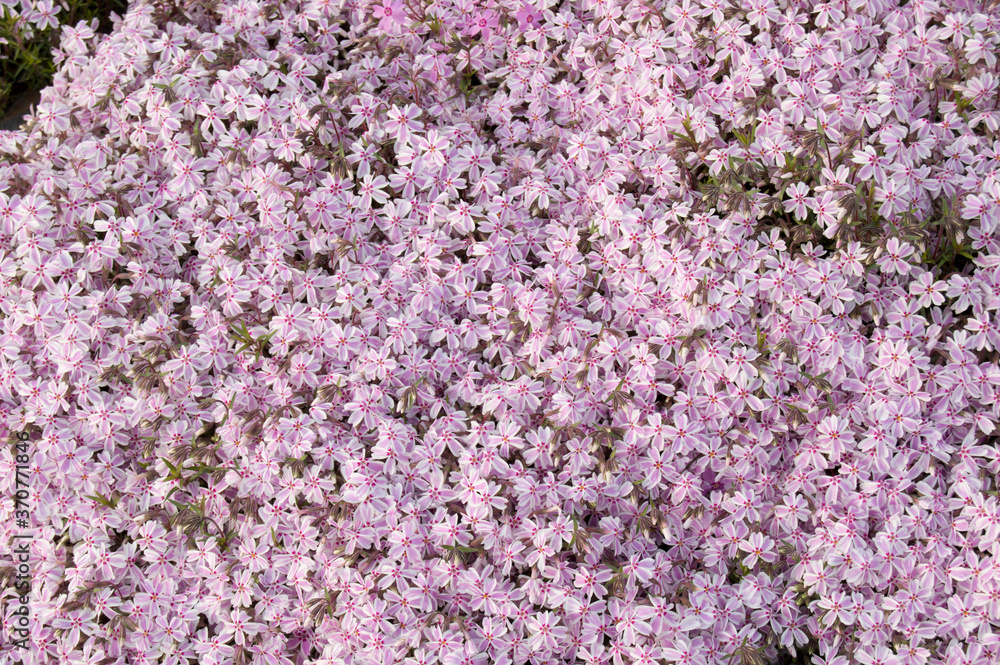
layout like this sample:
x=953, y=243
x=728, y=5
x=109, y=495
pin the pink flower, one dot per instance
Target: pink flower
x=391, y=15
x=839, y=606
x=893, y=258
x=927, y=290
x=239, y=625
x=528, y=17
x=484, y=22
x=44, y=14
x=798, y=193
x=893, y=195
x=826, y=209
x=876, y=655
x=757, y=546
x=544, y=629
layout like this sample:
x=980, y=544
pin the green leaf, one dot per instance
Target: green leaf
x=103, y=500
x=174, y=471
x=262, y=341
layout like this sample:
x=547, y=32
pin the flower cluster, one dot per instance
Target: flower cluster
x=510, y=332
x=30, y=34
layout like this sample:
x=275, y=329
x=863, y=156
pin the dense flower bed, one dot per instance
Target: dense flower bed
x=497, y=332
